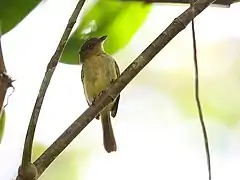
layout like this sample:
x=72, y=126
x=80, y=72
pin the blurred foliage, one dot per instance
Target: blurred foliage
x=119, y=20
x=219, y=79
x=219, y=88
x=68, y=165
x=13, y=11
x=2, y=124
x=220, y=101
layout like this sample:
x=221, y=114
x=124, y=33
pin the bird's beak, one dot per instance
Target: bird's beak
x=103, y=38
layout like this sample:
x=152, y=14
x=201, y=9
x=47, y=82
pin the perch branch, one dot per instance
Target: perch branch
x=112, y=92
x=27, y=151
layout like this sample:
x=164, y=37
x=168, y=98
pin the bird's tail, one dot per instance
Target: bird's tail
x=108, y=135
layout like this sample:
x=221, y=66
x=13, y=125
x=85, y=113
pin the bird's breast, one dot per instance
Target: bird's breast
x=97, y=75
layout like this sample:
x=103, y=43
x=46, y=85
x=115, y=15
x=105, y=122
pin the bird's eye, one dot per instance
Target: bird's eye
x=89, y=45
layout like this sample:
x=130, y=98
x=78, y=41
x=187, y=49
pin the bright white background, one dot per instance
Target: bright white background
x=156, y=140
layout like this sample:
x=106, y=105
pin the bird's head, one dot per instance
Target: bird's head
x=91, y=47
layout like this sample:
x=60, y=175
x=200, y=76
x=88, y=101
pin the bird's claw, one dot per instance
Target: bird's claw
x=97, y=117
x=112, y=81
x=95, y=99
x=101, y=93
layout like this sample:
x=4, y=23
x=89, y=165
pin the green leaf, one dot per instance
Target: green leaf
x=119, y=20
x=13, y=11
x=2, y=124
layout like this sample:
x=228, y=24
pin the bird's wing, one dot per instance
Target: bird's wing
x=82, y=76
x=117, y=69
x=115, y=105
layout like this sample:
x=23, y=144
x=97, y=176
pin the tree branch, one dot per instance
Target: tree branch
x=27, y=151
x=224, y=3
x=112, y=92
x=5, y=80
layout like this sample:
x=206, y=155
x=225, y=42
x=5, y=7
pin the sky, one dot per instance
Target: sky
x=152, y=145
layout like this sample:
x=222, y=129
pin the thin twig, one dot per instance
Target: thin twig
x=8, y=97
x=27, y=151
x=200, y=113
x=112, y=92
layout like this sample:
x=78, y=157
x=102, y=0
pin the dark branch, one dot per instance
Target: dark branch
x=200, y=113
x=5, y=80
x=224, y=3
x=2, y=65
x=112, y=92
x=27, y=151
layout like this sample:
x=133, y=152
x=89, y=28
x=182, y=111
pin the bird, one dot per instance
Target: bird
x=99, y=71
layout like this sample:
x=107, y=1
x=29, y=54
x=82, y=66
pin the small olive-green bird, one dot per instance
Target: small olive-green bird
x=99, y=70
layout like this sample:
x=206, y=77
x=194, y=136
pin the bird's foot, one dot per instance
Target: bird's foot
x=94, y=101
x=112, y=81
x=96, y=98
x=97, y=117
x=101, y=93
